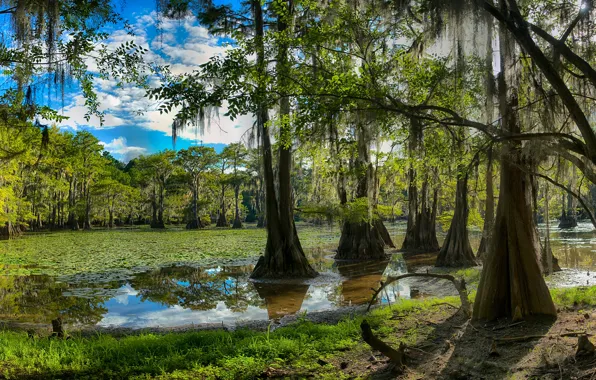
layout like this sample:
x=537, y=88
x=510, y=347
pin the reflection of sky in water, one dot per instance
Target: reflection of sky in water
x=185, y=295
x=132, y=307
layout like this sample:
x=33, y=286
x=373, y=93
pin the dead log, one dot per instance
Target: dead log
x=397, y=357
x=460, y=286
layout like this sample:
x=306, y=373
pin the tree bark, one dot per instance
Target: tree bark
x=489, y=209
x=284, y=256
x=456, y=250
x=511, y=280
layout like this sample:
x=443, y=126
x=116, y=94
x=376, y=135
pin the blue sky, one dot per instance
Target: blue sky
x=133, y=126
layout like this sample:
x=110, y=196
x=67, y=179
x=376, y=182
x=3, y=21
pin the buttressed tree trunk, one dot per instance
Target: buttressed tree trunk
x=511, y=281
x=421, y=233
x=284, y=256
x=362, y=240
x=456, y=250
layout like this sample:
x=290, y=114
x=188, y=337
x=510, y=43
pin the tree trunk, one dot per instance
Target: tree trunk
x=362, y=240
x=284, y=256
x=237, y=222
x=421, y=233
x=10, y=231
x=456, y=250
x=195, y=220
x=568, y=218
x=489, y=209
x=222, y=220
x=156, y=204
x=72, y=218
x=422, y=236
x=511, y=281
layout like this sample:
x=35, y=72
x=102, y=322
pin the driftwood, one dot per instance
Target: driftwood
x=397, y=357
x=460, y=286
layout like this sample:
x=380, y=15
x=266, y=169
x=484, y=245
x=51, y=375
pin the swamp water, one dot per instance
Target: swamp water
x=213, y=290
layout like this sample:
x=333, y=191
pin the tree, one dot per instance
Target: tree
x=195, y=161
x=156, y=169
x=237, y=177
x=512, y=283
x=246, y=87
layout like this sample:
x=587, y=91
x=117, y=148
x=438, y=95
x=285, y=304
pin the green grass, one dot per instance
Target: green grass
x=578, y=296
x=64, y=253
x=208, y=354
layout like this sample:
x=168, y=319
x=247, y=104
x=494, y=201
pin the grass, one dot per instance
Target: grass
x=68, y=252
x=578, y=296
x=199, y=354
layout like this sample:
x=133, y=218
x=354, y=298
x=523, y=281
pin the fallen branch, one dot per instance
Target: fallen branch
x=397, y=357
x=529, y=337
x=507, y=326
x=460, y=286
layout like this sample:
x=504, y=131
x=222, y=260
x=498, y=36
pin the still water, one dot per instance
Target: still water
x=187, y=294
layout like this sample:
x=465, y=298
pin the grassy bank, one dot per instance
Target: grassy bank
x=301, y=349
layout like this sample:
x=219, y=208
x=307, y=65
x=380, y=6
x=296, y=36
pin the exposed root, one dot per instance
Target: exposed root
x=397, y=357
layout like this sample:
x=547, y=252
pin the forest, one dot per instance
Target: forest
x=413, y=195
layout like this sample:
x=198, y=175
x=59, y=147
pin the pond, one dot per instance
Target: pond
x=142, y=278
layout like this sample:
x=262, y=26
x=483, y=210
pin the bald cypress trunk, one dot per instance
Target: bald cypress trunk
x=284, y=256
x=362, y=240
x=511, y=281
x=456, y=250
x=421, y=233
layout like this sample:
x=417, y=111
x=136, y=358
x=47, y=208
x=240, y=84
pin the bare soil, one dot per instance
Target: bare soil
x=442, y=344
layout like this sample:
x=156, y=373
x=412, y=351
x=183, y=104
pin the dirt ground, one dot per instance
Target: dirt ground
x=442, y=344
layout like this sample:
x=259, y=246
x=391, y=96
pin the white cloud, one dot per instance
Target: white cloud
x=120, y=148
x=128, y=106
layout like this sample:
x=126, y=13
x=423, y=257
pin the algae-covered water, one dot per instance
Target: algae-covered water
x=147, y=278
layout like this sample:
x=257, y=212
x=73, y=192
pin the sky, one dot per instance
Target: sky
x=132, y=125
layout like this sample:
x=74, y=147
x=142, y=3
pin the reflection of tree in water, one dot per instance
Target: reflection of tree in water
x=577, y=257
x=319, y=259
x=197, y=288
x=360, y=279
x=39, y=299
x=282, y=299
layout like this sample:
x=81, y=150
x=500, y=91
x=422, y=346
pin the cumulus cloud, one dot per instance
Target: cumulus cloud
x=119, y=148
x=183, y=45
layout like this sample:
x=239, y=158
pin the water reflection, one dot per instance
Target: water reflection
x=282, y=299
x=359, y=281
x=180, y=295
